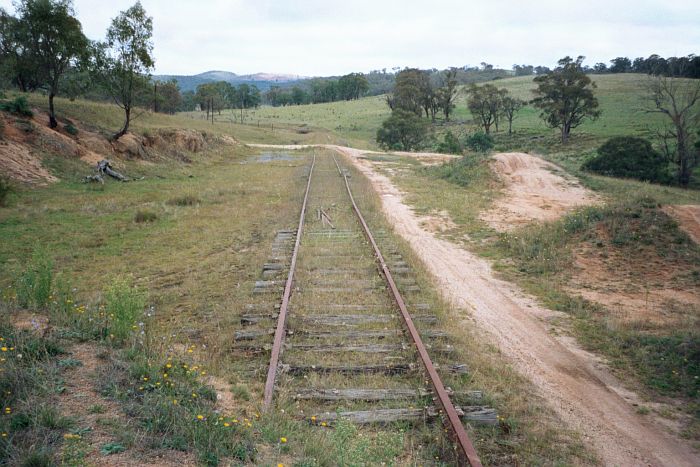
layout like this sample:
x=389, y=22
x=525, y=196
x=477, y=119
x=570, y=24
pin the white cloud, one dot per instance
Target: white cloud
x=321, y=37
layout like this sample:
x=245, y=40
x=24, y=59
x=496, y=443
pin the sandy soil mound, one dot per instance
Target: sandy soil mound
x=535, y=190
x=17, y=162
x=688, y=218
x=190, y=140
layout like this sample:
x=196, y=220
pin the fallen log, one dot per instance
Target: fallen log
x=104, y=167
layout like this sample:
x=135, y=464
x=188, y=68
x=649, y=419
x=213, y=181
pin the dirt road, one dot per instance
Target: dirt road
x=576, y=384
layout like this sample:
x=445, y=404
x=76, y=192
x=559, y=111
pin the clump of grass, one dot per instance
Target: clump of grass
x=184, y=200
x=34, y=284
x=143, y=216
x=70, y=129
x=17, y=106
x=124, y=304
x=350, y=448
x=462, y=171
x=30, y=425
x=6, y=189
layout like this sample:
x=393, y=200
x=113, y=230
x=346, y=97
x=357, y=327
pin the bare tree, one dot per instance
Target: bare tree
x=678, y=99
x=510, y=106
x=447, y=93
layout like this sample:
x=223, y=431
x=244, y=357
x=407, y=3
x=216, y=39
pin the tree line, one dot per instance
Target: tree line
x=220, y=95
x=43, y=48
x=656, y=65
x=319, y=90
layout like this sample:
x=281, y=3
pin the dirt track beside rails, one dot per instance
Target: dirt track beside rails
x=576, y=383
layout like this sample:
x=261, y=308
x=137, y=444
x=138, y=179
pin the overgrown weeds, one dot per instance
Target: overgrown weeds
x=34, y=285
x=145, y=216
x=6, y=188
x=124, y=304
x=462, y=171
x=184, y=200
x=174, y=408
x=18, y=106
x=30, y=425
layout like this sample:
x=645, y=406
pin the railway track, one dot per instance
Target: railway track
x=351, y=338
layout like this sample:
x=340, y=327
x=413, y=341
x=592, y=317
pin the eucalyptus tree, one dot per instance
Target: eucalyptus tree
x=565, y=96
x=53, y=37
x=125, y=59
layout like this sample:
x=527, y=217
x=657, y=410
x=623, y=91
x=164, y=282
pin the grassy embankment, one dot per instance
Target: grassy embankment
x=187, y=241
x=630, y=235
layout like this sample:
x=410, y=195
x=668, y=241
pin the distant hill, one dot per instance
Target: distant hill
x=262, y=80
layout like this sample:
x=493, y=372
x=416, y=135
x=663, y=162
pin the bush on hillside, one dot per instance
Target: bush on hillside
x=402, y=131
x=629, y=157
x=5, y=190
x=480, y=142
x=70, y=129
x=18, y=106
x=450, y=144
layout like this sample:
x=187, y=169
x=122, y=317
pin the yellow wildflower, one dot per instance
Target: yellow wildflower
x=283, y=440
x=200, y=417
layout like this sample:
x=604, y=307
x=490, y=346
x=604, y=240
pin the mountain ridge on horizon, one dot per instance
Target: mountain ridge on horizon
x=262, y=80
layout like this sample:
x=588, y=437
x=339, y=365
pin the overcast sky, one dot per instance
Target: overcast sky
x=325, y=37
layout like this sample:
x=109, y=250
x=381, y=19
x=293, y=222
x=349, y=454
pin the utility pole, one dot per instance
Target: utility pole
x=155, y=96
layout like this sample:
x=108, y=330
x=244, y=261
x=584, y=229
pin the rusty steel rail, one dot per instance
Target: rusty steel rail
x=282, y=319
x=455, y=424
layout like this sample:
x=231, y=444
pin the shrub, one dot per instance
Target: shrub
x=70, y=129
x=184, y=200
x=5, y=189
x=629, y=157
x=402, y=131
x=35, y=284
x=450, y=144
x=462, y=171
x=145, y=216
x=480, y=142
x=18, y=106
x=124, y=303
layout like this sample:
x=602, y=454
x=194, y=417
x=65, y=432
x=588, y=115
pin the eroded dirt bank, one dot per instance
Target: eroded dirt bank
x=534, y=190
x=688, y=217
x=576, y=383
